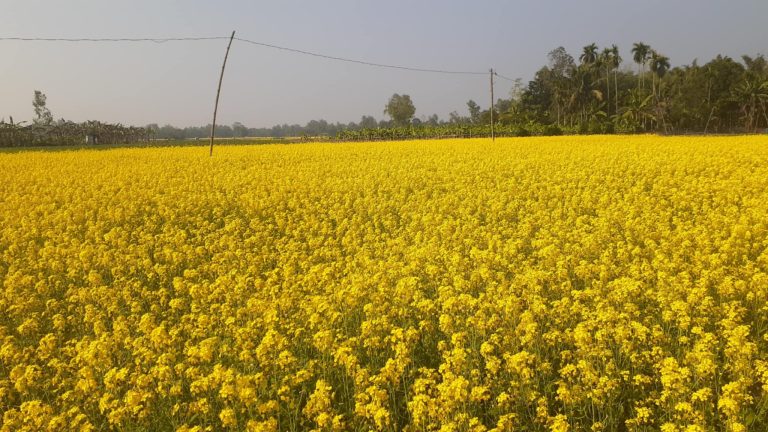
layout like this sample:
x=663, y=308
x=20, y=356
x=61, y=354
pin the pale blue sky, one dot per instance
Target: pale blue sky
x=175, y=82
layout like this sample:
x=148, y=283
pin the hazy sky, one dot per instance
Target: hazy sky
x=175, y=82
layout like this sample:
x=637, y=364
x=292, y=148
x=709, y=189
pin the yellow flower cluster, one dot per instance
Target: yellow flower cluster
x=544, y=284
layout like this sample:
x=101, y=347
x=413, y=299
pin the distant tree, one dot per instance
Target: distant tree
x=539, y=97
x=636, y=111
x=722, y=74
x=752, y=97
x=615, y=60
x=610, y=60
x=722, y=95
x=152, y=129
x=555, y=82
x=752, y=93
x=586, y=95
x=659, y=66
x=169, y=132
x=517, y=90
x=757, y=67
x=560, y=62
x=589, y=54
x=688, y=108
x=239, y=130
x=605, y=60
x=641, y=54
x=474, y=111
x=42, y=113
x=368, y=122
x=224, y=131
x=400, y=109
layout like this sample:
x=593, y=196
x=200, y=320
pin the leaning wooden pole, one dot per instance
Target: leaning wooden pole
x=493, y=130
x=218, y=92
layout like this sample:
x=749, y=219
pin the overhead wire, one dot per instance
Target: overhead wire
x=252, y=42
x=155, y=40
x=261, y=44
x=503, y=77
x=362, y=62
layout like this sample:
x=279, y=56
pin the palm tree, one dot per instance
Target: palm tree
x=640, y=54
x=616, y=62
x=605, y=59
x=756, y=66
x=584, y=91
x=611, y=59
x=583, y=95
x=589, y=54
x=636, y=111
x=752, y=97
x=659, y=67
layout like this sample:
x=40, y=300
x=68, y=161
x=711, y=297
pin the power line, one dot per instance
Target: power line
x=155, y=40
x=503, y=77
x=325, y=56
x=267, y=45
x=253, y=42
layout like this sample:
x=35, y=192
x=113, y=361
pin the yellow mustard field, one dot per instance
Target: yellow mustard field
x=600, y=283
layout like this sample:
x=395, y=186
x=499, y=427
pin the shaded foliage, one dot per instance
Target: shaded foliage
x=67, y=133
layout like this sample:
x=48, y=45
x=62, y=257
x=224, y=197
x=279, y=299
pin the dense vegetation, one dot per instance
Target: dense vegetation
x=44, y=131
x=601, y=92
x=595, y=95
x=598, y=93
x=67, y=133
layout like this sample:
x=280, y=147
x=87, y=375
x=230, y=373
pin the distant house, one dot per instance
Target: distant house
x=91, y=139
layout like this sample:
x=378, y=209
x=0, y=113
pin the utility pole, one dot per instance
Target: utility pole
x=493, y=131
x=218, y=91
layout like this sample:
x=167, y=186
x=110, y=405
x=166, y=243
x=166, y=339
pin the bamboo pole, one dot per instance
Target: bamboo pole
x=218, y=92
x=493, y=131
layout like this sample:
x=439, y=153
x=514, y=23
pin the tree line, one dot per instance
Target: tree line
x=598, y=92
x=594, y=94
x=400, y=108
x=44, y=131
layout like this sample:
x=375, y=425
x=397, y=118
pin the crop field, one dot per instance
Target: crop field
x=598, y=283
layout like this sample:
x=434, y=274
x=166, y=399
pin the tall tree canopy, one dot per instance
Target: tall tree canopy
x=400, y=108
x=43, y=115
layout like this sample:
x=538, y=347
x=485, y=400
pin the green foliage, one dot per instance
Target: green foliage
x=425, y=131
x=594, y=95
x=43, y=115
x=400, y=108
x=474, y=111
x=64, y=133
